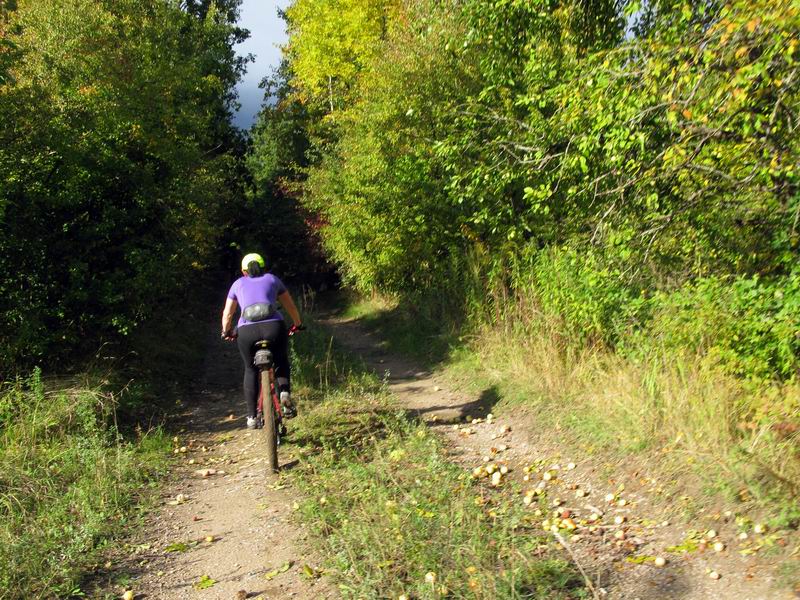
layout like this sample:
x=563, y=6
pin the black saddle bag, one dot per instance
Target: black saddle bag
x=260, y=311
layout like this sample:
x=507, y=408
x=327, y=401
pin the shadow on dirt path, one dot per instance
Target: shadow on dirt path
x=222, y=517
x=621, y=529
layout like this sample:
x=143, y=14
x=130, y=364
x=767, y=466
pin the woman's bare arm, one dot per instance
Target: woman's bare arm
x=288, y=303
x=227, y=314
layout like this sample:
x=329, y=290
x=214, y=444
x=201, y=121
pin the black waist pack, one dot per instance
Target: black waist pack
x=260, y=311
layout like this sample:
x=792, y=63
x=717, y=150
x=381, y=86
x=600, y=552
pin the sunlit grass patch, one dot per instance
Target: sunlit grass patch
x=67, y=481
x=682, y=415
x=397, y=518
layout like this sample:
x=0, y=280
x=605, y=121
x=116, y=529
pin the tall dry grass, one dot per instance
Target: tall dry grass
x=677, y=411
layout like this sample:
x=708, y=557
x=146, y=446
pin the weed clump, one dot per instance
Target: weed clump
x=66, y=479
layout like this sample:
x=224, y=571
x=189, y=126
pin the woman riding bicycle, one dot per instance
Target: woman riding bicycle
x=257, y=292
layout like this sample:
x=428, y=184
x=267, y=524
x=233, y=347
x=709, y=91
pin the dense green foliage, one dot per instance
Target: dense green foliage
x=626, y=166
x=115, y=163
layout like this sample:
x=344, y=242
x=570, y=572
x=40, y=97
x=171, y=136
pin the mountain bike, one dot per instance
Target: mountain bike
x=269, y=418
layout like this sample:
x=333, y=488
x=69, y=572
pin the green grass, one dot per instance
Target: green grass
x=405, y=330
x=68, y=482
x=80, y=456
x=388, y=507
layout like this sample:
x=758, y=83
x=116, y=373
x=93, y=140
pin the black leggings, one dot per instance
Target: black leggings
x=276, y=332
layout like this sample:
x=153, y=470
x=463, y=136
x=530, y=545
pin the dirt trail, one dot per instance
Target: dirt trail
x=246, y=512
x=648, y=528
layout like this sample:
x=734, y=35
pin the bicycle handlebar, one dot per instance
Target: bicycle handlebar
x=229, y=336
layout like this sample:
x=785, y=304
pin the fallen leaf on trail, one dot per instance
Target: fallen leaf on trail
x=177, y=547
x=640, y=560
x=179, y=499
x=275, y=572
x=128, y=595
x=311, y=572
x=204, y=582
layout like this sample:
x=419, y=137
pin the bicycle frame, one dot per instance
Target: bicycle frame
x=273, y=394
x=270, y=415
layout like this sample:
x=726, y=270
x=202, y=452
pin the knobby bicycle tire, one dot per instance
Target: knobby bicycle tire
x=270, y=430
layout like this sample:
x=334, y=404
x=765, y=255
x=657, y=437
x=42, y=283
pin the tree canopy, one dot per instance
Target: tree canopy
x=603, y=157
x=115, y=161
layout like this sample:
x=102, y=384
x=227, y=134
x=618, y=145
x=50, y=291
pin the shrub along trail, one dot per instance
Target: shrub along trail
x=223, y=529
x=605, y=514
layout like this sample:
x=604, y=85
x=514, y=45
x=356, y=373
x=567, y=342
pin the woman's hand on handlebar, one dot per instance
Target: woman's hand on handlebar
x=295, y=328
x=229, y=336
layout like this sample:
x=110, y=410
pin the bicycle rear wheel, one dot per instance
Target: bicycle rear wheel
x=270, y=430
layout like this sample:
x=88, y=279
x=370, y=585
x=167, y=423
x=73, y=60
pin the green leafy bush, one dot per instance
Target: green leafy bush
x=750, y=325
x=636, y=148
x=586, y=294
x=114, y=175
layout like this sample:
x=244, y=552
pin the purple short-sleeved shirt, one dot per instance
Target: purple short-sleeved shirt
x=251, y=290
